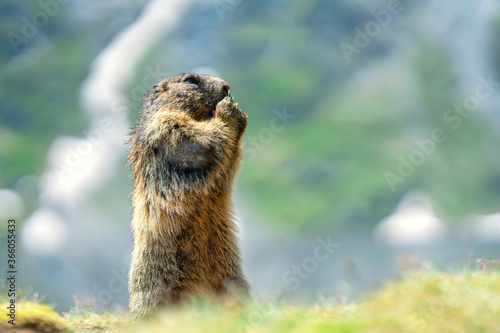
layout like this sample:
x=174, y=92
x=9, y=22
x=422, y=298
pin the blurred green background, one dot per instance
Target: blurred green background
x=352, y=118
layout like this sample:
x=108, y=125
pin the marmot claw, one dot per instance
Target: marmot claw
x=228, y=108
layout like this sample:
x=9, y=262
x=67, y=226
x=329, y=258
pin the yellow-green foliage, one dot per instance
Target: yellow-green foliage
x=420, y=302
x=90, y=322
x=42, y=318
x=434, y=303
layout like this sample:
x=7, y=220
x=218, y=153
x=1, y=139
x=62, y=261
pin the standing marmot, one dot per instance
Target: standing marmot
x=184, y=154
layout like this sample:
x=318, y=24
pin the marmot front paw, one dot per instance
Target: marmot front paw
x=227, y=109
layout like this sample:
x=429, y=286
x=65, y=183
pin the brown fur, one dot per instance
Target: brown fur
x=184, y=154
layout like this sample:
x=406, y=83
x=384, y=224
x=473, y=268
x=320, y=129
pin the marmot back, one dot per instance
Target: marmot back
x=184, y=154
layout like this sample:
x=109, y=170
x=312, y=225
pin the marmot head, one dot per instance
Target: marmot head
x=165, y=108
x=195, y=94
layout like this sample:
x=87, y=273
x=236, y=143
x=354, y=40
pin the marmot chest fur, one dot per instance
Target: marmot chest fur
x=184, y=153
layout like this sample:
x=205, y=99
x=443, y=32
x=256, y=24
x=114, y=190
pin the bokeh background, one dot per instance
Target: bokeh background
x=373, y=125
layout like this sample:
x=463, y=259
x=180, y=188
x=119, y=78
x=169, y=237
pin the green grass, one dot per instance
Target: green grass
x=419, y=302
x=36, y=316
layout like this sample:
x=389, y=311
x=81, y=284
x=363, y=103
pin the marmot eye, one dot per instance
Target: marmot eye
x=191, y=79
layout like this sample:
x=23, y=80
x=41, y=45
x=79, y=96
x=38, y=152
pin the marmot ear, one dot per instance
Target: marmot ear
x=162, y=86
